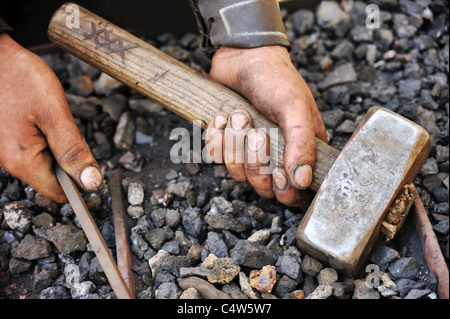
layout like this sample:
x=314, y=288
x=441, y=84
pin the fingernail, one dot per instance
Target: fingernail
x=303, y=176
x=255, y=141
x=91, y=178
x=220, y=121
x=279, y=180
x=239, y=120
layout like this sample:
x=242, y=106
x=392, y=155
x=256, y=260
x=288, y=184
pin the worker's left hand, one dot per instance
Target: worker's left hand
x=268, y=79
x=37, y=127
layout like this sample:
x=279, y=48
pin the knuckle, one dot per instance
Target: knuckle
x=75, y=154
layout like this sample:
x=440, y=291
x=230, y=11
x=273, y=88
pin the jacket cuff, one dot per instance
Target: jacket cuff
x=239, y=24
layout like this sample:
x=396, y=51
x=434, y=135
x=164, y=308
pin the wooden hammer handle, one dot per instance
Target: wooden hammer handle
x=160, y=77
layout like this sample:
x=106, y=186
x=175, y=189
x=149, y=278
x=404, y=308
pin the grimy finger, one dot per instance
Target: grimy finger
x=300, y=149
x=257, y=162
x=214, y=136
x=286, y=193
x=67, y=145
x=239, y=122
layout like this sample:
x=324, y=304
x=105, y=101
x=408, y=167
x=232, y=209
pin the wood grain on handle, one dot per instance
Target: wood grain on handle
x=162, y=78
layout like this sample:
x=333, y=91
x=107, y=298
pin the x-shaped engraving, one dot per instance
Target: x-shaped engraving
x=108, y=42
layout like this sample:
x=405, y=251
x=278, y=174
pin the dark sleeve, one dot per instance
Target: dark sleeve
x=239, y=24
x=4, y=27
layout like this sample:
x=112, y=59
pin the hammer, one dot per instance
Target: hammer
x=355, y=187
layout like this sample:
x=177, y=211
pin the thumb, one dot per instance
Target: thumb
x=69, y=149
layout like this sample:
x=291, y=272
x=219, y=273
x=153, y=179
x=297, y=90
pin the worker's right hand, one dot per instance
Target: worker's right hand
x=268, y=79
x=37, y=126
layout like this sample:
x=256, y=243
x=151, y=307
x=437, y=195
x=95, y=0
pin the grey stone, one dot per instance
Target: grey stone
x=417, y=294
x=58, y=292
x=229, y=239
x=233, y=290
x=179, y=188
x=84, y=291
x=17, y=266
x=363, y=292
x=409, y=88
x=252, y=255
x=32, y=248
x=125, y=131
x=344, y=50
x=106, y=84
x=172, y=218
x=168, y=290
x=193, y=222
x=156, y=237
x=43, y=220
x=114, y=105
x=44, y=276
x=330, y=15
x=135, y=211
x=441, y=227
x=344, y=73
x=67, y=238
x=145, y=106
x=289, y=266
x=338, y=95
x=431, y=182
x=311, y=266
x=190, y=293
x=172, y=174
x=96, y=273
x=347, y=126
x=385, y=38
x=18, y=218
x=323, y=291
x=302, y=21
x=404, y=267
x=383, y=256
x=284, y=286
x=216, y=244
x=81, y=107
x=135, y=194
x=327, y=276
x=442, y=153
x=220, y=270
x=156, y=261
x=173, y=264
x=225, y=222
x=260, y=236
x=333, y=118
x=430, y=167
x=361, y=34
x=404, y=286
x=72, y=274
x=158, y=216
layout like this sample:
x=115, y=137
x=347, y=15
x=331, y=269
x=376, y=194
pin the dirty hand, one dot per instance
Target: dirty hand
x=36, y=125
x=268, y=79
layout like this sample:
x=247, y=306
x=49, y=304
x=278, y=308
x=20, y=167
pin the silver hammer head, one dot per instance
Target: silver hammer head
x=343, y=222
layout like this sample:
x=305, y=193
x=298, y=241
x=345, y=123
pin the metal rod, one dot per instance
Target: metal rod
x=93, y=235
x=121, y=231
x=430, y=246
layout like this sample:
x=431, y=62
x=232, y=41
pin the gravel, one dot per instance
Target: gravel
x=195, y=232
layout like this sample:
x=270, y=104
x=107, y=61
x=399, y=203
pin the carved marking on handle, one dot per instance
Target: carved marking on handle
x=108, y=42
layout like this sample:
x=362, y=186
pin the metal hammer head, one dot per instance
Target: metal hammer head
x=343, y=222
